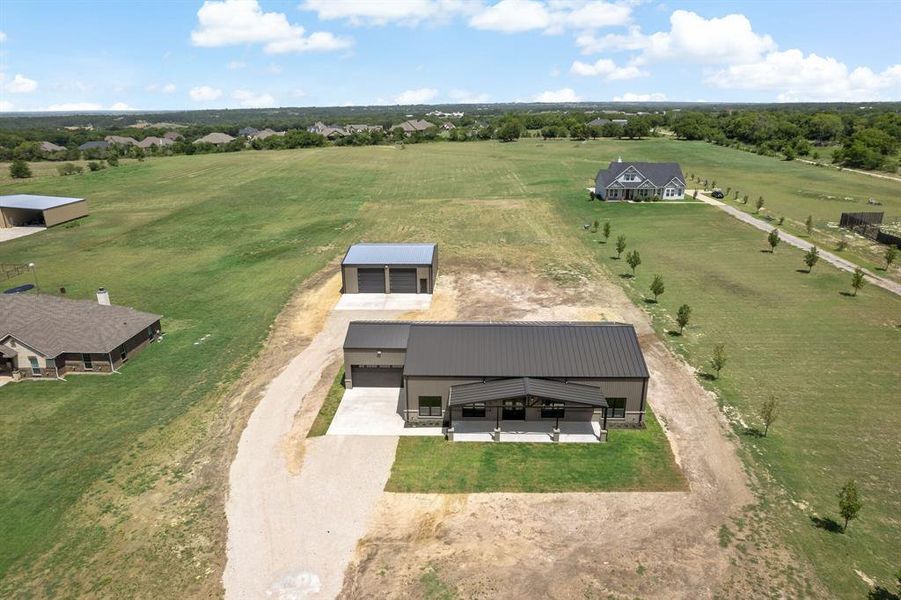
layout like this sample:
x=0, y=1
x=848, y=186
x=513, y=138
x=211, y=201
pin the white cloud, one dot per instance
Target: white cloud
x=632, y=97
x=401, y=12
x=554, y=16
x=73, y=107
x=120, y=106
x=21, y=85
x=169, y=88
x=797, y=77
x=299, y=93
x=467, y=97
x=5, y=105
x=234, y=65
x=274, y=69
x=632, y=40
x=204, y=93
x=249, y=99
x=418, y=96
x=607, y=69
x=562, y=95
x=236, y=22
x=3, y=39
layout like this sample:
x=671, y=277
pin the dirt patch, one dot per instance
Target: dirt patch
x=572, y=545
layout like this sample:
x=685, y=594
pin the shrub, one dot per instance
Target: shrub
x=69, y=169
x=95, y=166
x=19, y=169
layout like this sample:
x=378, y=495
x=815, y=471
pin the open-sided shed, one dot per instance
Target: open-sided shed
x=20, y=210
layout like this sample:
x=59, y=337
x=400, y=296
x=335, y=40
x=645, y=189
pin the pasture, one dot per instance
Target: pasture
x=218, y=243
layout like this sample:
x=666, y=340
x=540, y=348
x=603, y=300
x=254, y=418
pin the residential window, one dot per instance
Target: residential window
x=430, y=406
x=617, y=408
x=477, y=409
x=552, y=410
x=88, y=363
x=35, y=366
x=680, y=191
x=123, y=353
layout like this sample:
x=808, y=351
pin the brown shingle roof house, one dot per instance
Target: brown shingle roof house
x=49, y=336
x=214, y=138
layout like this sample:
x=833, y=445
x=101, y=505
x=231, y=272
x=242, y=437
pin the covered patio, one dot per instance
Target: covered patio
x=526, y=409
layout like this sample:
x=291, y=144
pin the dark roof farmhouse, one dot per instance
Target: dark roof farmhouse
x=389, y=268
x=17, y=210
x=49, y=336
x=640, y=181
x=502, y=371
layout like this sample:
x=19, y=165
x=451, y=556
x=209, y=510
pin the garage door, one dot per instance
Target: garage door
x=371, y=281
x=377, y=377
x=403, y=281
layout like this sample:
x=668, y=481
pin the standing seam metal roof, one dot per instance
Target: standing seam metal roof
x=505, y=389
x=389, y=254
x=31, y=202
x=378, y=335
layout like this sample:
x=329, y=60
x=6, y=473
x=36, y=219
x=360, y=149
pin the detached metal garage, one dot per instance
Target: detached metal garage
x=21, y=210
x=387, y=268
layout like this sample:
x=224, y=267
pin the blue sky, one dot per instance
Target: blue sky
x=70, y=55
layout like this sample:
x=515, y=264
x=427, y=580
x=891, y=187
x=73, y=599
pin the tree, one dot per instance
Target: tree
x=19, y=169
x=768, y=413
x=891, y=253
x=773, y=239
x=719, y=358
x=811, y=258
x=606, y=230
x=744, y=199
x=808, y=225
x=857, y=280
x=657, y=287
x=759, y=204
x=113, y=159
x=633, y=259
x=620, y=245
x=849, y=503
x=594, y=226
x=509, y=131
x=683, y=316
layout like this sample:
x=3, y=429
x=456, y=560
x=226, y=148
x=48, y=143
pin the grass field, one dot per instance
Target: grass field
x=632, y=460
x=217, y=244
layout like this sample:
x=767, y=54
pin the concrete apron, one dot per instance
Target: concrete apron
x=384, y=302
x=581, y=432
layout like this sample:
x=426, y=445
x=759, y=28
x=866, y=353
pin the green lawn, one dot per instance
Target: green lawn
x=632, y=460
x=218, y=243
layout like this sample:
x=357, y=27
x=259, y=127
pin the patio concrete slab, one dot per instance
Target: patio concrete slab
x=384, y=302
x=582, y=432
x=374, y=411
x=11, y=233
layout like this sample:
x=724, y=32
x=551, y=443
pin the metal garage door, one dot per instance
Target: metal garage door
x=371, y=281
x=377, y=376
x=403, y=281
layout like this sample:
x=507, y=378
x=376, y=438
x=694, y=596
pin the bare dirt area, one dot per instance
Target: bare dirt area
x=666, y=545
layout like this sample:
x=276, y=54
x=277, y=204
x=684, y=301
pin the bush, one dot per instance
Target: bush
x=69, y=169
x=19, y=169
x=95, y=166
x=113, y=160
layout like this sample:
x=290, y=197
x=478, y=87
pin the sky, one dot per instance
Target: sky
x=181, y=54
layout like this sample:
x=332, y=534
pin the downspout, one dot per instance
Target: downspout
x=644, y=391
x=111, y=365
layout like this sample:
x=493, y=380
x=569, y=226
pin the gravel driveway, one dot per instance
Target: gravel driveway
x=292, y=535
x=797, y=242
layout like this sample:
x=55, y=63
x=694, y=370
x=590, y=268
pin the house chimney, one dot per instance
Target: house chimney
x=103, y=297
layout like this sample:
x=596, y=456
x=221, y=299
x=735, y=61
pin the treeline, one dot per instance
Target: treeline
x=867, y=139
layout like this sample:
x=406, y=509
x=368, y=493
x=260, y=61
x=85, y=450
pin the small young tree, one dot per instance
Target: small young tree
x=694, y=194
x=620, y=245
x=773, y=239
x=744, y=199
x=759, y=204
x=633, y=259
x=657, y=287
x=808, y=225
x=781, y=220
x=705, y=184
x=736, y=196
x=768, y=413
x=113, y=159
x=891, y=253
x=594, y=226
x=713, y=184
x=606, y=231
x=842, y=244
x=718, y=361
x=728, y=191
x=811, y=258
x=849, y=503
x=683, y=316
x=19, y=169
x=857, y=280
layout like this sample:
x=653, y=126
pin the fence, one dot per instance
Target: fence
x=869, y=224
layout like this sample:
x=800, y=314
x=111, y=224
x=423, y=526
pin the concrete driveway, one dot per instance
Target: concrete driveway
x=384, y=302
x=374, y=411
x=11, y=233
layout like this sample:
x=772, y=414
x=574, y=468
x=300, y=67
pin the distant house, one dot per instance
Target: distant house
x=48, y=336
x=150, y=141
x=640, y=181
x=119, y=140
x=359, y=128
x=447, y=126
x=96, y=145
x=248, y=131
x=18, y=210
x=599, y=122
x=215, y=138
x=173, y=135
x=621, y=122
x=266, y=133
x=414, y=125
x=51, y=147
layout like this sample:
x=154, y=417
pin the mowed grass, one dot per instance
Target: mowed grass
x=631, y=460
x=218, y=243
x=830, y=359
